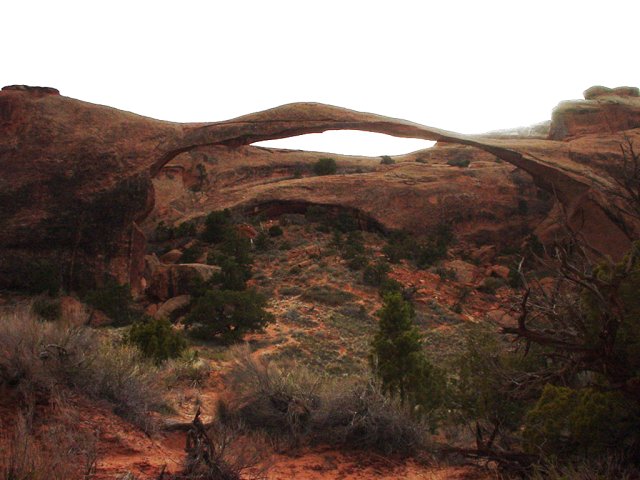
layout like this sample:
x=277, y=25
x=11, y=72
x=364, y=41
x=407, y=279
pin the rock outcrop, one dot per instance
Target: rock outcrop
x=77, y=177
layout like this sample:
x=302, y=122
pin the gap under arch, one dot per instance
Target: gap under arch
x=349, y=142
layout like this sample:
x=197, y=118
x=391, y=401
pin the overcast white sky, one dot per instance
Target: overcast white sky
x=466, y=66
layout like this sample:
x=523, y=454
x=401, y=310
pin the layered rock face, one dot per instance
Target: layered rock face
x=77, y=178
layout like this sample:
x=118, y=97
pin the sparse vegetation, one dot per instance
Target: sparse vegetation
x=326, y=295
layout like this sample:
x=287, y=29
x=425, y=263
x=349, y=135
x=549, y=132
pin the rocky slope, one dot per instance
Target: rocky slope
x=77, y=177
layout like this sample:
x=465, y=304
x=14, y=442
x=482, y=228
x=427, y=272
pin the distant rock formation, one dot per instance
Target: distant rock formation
x=78, y=179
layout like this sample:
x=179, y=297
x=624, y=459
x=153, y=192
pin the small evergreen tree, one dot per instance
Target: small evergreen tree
x=156, y=339
x=325, y=166
x=227, y=315
x=399, y=360
x=215, y=226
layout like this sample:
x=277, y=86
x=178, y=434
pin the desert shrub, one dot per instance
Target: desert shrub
x=345, y=222
x=233, y=275
x=227, y=315
x=264, y=397
x=486, y=390
x=43, y=276
x=40, y=357
x=163, y=232
x=285, y=245
x=115, y=301
x=188, y=368
x=387, y=160
x=326, y=295
x=588, y=422
x=218, y=452
x=325, y=166
x=48, y=308
x=191, y=254
x=357, y=262
x=459, y=162
x=185, y=229
x=523, y=207
x=514, y=280
x=262, y=242
x=166, y=232
x=445, y=273
x=402, y=245
x=216, y=225
x=356, y=414
x=375, y=274
x=353, y=245
x=275, y=231
x=317, y=213
x=60, y=451
x=294, y=404
x=390, y=285
x=609, y=467
x=156, y=339
x=235, y=244
x=429, y=252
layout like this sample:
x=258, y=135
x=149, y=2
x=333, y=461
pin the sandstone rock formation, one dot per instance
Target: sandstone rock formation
x=77, y=177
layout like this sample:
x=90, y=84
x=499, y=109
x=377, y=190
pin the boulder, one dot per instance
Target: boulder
x=172, y=256
x=499, y=271
x=465, y=272
x=172, y=280
x=172, y=305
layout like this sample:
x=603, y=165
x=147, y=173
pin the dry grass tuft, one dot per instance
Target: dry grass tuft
x=306, y=408
x=37, y=358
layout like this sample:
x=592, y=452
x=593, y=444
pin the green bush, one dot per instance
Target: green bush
x=275, y=231
x=375, y=274
x=43, y=276
x=156, y=339
x=232, y=276
x=353, y=245
x=580, y=421
x=485, y=388
x=216, y=225
x=387, y=160
x=390, y=285
x=191, y=254
x=327, y=295
x=115, y=301
x=459, y=162
x=325, y=166
x=357, y=262
x=48, y=308
x=227, y=315
x=399, y=361
x=262, y=242
x=402, y=245
x=345, y=222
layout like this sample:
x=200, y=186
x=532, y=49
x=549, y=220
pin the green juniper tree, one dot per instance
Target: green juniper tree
x=399, y=360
